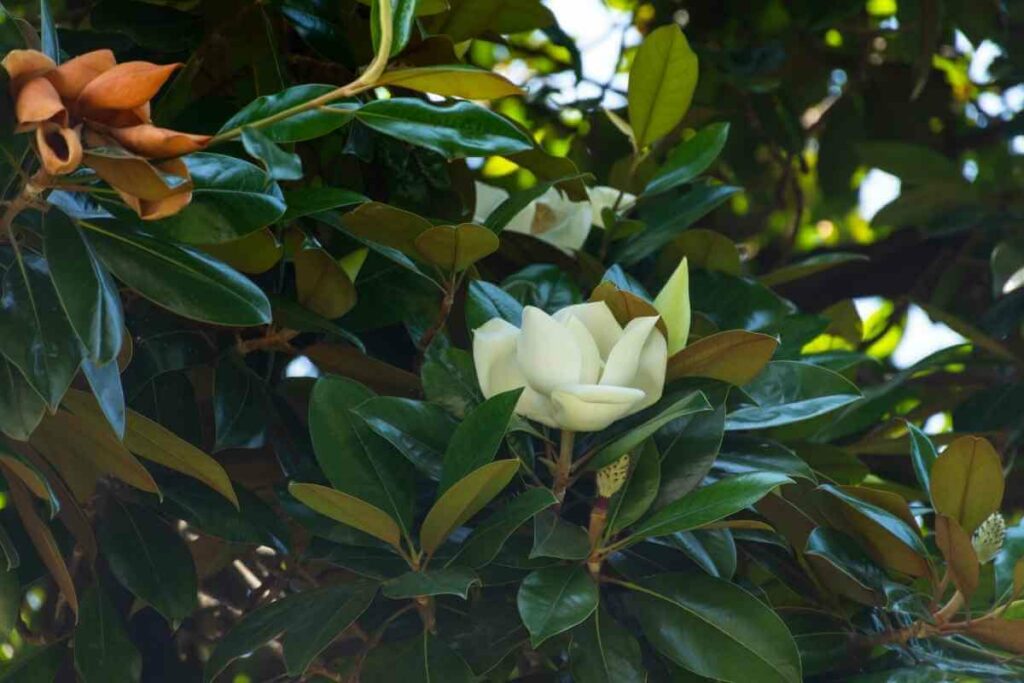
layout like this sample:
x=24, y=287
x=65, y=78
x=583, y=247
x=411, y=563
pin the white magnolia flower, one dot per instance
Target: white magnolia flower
x=552, y=217
x=581, y=370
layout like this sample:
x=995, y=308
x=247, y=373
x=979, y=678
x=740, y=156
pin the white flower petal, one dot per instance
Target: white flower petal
x=592, y=407
x=536, y=407
x=650, y=374
x=622, y=363
x=603, y=197
x=592, y=363
x=599, y=320
x=547, y=352
x=559, y=221
x=673, y=302
x=494, y=355
x=488, y=198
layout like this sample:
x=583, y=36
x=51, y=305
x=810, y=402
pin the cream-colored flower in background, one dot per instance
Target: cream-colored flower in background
x=580, y=369
x=552, y=217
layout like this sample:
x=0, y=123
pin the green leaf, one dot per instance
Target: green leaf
x=476, y=440
x=231, y=198
x=485, y=301
x=35, y=334
x=967, y=482
x=309, y=622
x=916, y=164
x=403, y=20
x=689, y=158
x=715, y=629
x=10, y=600
x=709, y=250
x=450, y=581
x=103, y=650
x=667, y=221
x=690, y=403
x=150, y=559
x=279, y=164
x=21, y=408
x=741, y=454
x=453, y=248
x=86, y=290
x=308, y=125
x=464, y=499
x=790, y=391
x=306, y=201
x=239, y=406
x=253, y=522
x=469, y=19
x=357, y=461
x=556, y=537
x=555, y=599
x=490, y=535
x=39, y=664
x=713, y=550
x=638, y=493
x=181, y=279
x=455, y=131
x=321, y=284
x=808, y=266
x=449, y=379
x=48, y=32
x=735, y=302
x=708, y=504
x=843, y=553
x=661, y=84
x=452, y=80
x=421, y=431
x=604, y=651
x=423, y=659
x=922, y=455
x=690, y=445
x=349, y=510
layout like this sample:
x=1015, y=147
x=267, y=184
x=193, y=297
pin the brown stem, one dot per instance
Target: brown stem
x=447, y=301
x=950, y=608
x=273, y=341
x=598, y=522
x=563, y=467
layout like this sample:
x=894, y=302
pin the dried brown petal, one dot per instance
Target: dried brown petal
x=159, y=143
x=71, y=77
x=24, y=65
x=162, y=208
x=126, y=86
x=38, y=101
x=60, y=149
x=134, y=175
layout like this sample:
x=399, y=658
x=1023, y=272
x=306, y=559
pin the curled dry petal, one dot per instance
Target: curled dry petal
x=24, y=65
x=71, y=77
x=38, y=101
x=168, y=206
x=125, y=86
x=159, y=143
x=60, y=148
x=137, y=177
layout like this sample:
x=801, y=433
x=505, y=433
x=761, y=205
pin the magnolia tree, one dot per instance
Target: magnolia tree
x=330, y=353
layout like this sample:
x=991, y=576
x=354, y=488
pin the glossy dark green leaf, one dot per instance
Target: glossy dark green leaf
x=48, y=32
x=279, y=164
x=449, y=581
x=40, y=664
x=477, y=438
x=822, y=639
x=555, y=599
x=403, y=21
x=843, y=553
x=305, y=201
x=741, y=454
x=490, y=535
x=305, y=622
x=484, y=632
x=423, y=659
x=374, y=563
x=689, y=158
x=35, y=335
x=239, y=406
x=604, y=651
x=790, y=391
x=922, y=455
x=355, y=459
x=485, y=301
x=713, y=550
x=86, y=290
x=21, y=408
x=468, y=19
x=253, y=522
x=230, y=199
x=310, y=124
x=559, y=538
x=895, y=526
x=419, y=430
x=150, y=559
x=709, y=504
x=736, y=303
x=689, y=446
x=449, y=379
x=180, y=278
x=455, y=131
x=103, y=650
x=666, y=222
x=715, y=629
x=638, y=493
x=687, y=404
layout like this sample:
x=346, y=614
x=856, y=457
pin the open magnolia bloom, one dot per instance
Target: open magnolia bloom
x=580, y=369
x=93, y=111
x=552, y=217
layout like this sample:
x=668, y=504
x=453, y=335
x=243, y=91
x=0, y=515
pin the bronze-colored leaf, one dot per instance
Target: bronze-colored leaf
x=455, y=248
x=386, y=225
x=733, y=356
x=349, y=361
x=967, y=482
x=1007, y=634
x=961, y=560
x=321, y=284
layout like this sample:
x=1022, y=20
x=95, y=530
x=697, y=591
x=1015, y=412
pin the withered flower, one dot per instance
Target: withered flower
x=93, y=111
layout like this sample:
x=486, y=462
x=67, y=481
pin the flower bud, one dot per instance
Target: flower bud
x=610, y=478
x=988, y=537
x=673, y=303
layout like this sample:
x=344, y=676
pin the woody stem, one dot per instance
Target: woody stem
x=365, y=81
x=563, y=468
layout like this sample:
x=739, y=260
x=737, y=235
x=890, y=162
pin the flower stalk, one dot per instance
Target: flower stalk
x=563, y=467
